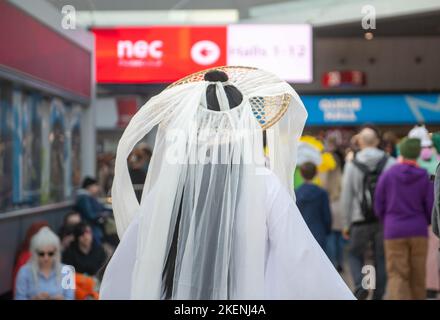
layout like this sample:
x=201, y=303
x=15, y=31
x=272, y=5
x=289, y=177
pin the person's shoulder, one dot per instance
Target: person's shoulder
x=390, y=161
x=25, y=270
x=348, y=166
x=322, y=190
x=98, y=248
x=317, y=189
x=300, y=188
x=311, y=185
x=424, y=173
x=391, y=167
x=69, y=251
x=79, y=200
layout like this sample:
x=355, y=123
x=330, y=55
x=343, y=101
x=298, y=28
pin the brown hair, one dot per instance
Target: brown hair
x=308, y=170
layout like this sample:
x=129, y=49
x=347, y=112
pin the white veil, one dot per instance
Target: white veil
x=202, y=214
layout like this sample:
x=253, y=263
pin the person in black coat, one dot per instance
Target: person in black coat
x=85, y=255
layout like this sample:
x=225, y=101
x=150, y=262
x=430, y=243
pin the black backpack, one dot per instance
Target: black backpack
x=369, y=183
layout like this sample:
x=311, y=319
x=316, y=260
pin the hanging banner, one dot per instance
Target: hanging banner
x=374, y=108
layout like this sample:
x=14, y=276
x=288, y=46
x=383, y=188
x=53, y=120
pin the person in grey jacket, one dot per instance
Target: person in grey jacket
x=360, y=230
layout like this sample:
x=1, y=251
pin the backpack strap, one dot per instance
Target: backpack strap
x=361, y=166
x=364, y=168
x=381, y=164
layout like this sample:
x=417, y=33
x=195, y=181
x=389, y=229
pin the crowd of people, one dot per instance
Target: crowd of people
x=81, y=242
x=373, y=205
x=86, y=239
x=368, y=202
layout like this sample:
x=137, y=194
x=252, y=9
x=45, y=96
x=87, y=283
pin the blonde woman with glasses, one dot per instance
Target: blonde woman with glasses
x=41, y=277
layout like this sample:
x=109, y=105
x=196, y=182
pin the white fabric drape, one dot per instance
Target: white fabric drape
x=202, y=220
x=295, y=265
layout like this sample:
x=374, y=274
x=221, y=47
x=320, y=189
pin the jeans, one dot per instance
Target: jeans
x=335, y=249
x=361, y=236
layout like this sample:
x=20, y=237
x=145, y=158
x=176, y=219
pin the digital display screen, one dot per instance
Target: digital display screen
x=163, y=54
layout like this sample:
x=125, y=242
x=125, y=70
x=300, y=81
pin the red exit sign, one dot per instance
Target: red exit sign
x=345, y=78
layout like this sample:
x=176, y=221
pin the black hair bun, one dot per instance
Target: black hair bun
x=216, y=75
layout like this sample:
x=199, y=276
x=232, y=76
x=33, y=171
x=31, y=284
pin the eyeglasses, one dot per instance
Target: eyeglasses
x=48, y=253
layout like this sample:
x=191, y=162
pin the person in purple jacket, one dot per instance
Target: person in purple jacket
x=403, y=203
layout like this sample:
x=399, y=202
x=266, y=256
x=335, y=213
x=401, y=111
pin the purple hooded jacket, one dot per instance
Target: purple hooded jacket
x=403, y=201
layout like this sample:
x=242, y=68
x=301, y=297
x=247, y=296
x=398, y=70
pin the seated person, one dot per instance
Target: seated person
x=41, y=277
x=66, y=231
x=84, y=254
x=24, y=253
x=90, y=209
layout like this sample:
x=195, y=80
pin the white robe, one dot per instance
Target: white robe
x=296, y=266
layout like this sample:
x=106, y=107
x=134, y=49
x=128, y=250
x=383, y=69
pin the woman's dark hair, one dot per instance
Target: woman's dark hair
x=232, y=93
x=80, y=229
x=67, y=229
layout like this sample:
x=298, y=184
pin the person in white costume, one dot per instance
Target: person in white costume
x=214, y=222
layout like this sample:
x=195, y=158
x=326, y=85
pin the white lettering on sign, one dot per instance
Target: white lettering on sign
x=140, y=49
x=340, y=109
x=285, y=50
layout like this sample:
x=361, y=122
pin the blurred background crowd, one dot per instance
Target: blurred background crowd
x=367, y=198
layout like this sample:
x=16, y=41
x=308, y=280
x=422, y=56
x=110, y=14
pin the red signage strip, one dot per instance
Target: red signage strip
x=157, y=54
x=34, y=49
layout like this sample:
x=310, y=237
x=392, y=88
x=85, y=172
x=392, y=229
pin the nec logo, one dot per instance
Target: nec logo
x=140, y=49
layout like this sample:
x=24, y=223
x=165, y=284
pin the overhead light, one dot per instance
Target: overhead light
x=156, y=17
x=369, y=35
